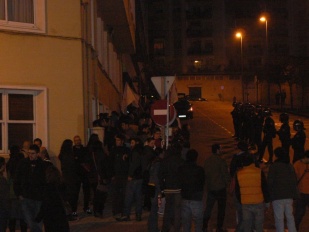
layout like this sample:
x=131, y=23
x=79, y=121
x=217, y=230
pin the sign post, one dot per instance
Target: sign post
x=163, y=85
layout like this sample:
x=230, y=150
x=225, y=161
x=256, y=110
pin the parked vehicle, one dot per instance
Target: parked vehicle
x=184, y=109
x=194, y=98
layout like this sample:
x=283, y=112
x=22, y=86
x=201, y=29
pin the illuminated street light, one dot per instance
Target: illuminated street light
x=264, y=20
x=239, y=35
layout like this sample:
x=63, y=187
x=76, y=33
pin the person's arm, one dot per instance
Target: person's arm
x=265, y=188
x=18, y=179
x=237, y=189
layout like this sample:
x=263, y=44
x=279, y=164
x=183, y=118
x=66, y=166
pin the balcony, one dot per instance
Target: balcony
x=122, y=27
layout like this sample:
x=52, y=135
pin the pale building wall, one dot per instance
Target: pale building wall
x=54, y=61
x=211, y=86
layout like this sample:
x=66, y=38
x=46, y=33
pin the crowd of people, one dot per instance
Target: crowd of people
x=286, y=183
x=134, y=167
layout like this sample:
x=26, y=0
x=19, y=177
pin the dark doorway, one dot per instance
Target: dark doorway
x=195, y=91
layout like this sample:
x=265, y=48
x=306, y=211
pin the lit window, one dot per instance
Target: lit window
x=19, y=116
x=23, y=15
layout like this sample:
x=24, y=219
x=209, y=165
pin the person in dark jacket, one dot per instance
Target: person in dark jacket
x=148, y=155
x=269, y=133
x=282, y=185
x=191, y=182
x=155, y=191
x=70, y=175
x=4, y=197
x=135, y=181
x=284, y=132
x=104, y=172
x=217, y=179
x=15, y=206
x=120, y=168
x=171, y=187
x=80, y=154
x=299, y=140
x=29, y=186
x=52, y=211
x=91, y=181
x=235, y=165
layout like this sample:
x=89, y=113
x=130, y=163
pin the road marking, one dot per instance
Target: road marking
x=229, y=132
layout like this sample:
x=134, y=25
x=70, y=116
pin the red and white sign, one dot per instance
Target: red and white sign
x=158, y=113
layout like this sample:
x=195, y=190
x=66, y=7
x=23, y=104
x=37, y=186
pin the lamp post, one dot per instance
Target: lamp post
x=264, y=20
x=239, y=35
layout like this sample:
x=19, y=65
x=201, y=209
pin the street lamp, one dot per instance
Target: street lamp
x=239, y=35
x=264, y=20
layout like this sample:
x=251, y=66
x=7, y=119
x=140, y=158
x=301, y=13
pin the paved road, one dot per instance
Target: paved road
x=212, y=123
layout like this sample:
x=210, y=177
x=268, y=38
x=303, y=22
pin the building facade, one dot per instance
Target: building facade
x=62, y=63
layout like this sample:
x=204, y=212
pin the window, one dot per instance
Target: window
x=158, y=47
x=23, y=15
x=19, y=116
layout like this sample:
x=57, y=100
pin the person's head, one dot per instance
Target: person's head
x=44, y=154
x=216, y=149
x=282, y=155
x=26, y=145
x=33, y=152
x=145, y=128
x=284, y=118
x=157, y=133
x=134, y=142
x=124, y=125
x=150, y=142
x=77, y=140
x=53, y=175
x=14, y=150
x=191, y=155
x=2, y=165
x=37, y=142
x=298, y=125
x=242, y=145
x=66, y=147
x=93, y=137
x=119, y=140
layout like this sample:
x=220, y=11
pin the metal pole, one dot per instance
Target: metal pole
x=167, y=114
x=266, y=58
x=242, y=70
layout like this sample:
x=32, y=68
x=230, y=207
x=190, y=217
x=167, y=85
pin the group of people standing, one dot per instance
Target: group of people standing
x=286, y=179
x=255, y=125
x=283, y=185
x=31, y=191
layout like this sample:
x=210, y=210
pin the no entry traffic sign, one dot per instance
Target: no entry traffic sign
x=158, y=113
